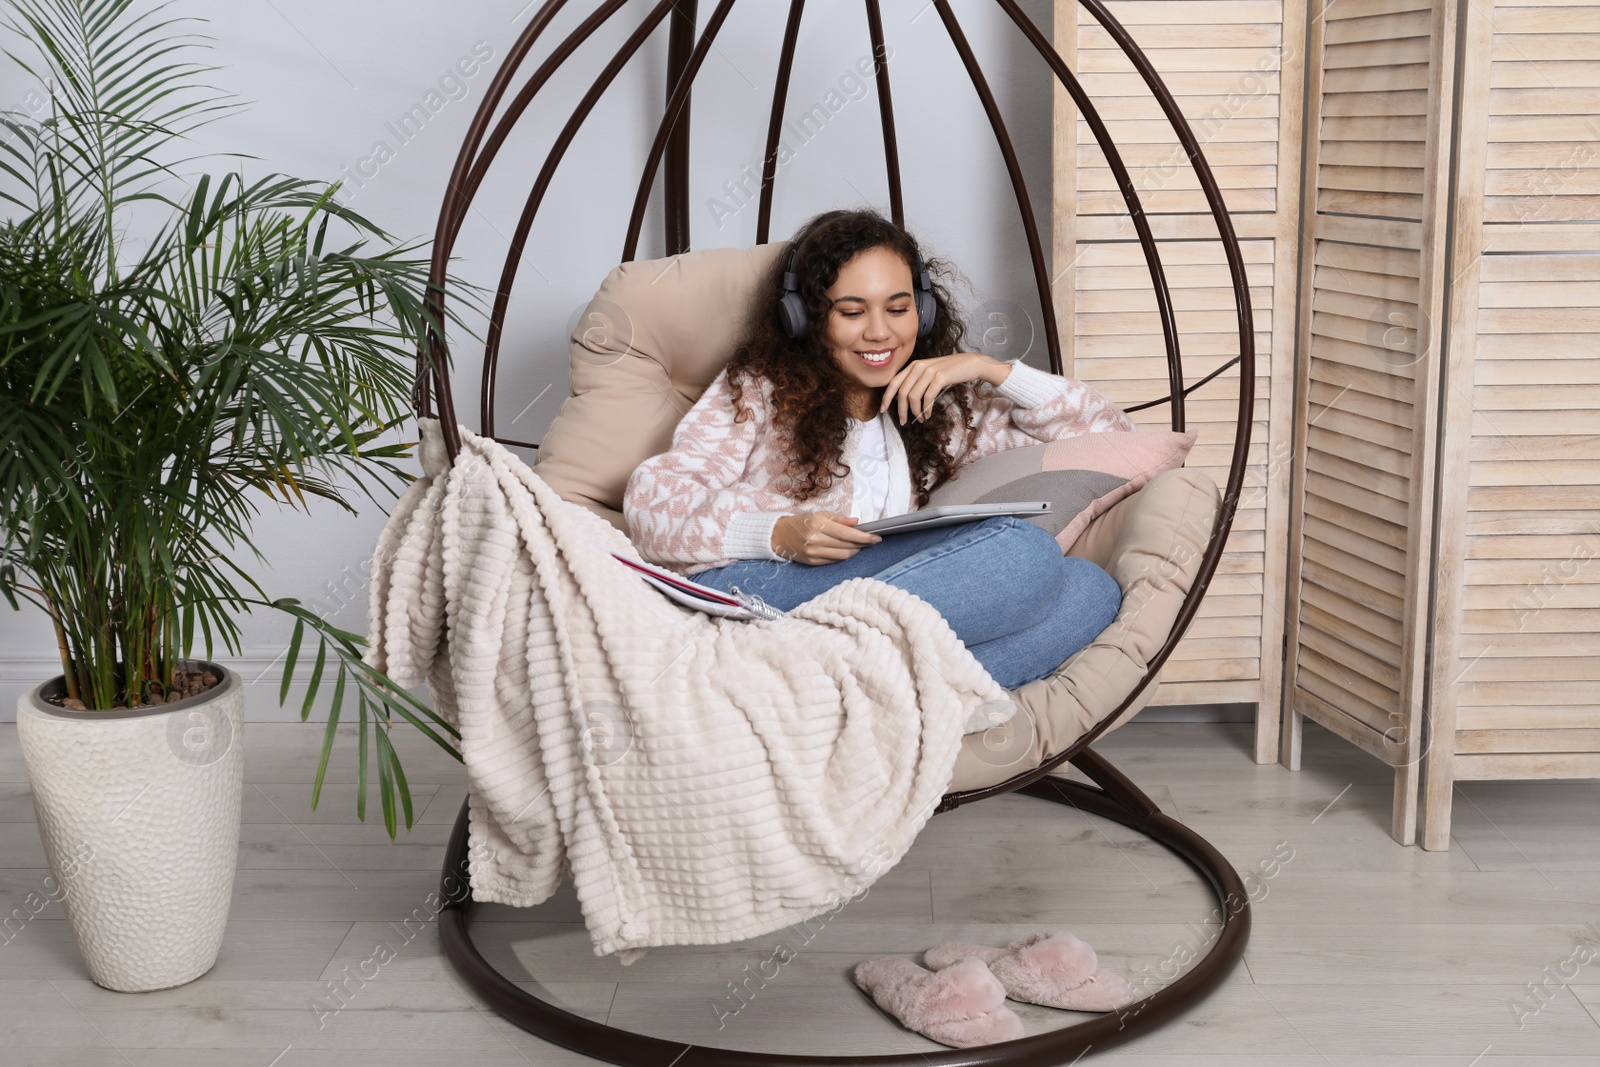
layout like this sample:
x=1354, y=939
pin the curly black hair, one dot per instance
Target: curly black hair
x=810, y=389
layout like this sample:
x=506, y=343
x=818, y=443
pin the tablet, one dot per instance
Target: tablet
x=948, y=514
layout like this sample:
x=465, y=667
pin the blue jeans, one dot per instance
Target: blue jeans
x=1018, y=604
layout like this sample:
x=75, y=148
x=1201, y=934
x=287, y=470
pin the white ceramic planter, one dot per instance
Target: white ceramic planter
x=139, y=812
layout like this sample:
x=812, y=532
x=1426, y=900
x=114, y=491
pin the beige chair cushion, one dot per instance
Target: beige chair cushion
x=658, y=332
x=1151, y=543
x=655, y=335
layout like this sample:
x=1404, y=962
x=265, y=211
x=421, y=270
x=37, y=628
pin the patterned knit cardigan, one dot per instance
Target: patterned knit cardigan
x=714, y=496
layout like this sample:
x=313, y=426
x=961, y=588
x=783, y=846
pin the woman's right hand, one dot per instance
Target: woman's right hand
x=816, y=537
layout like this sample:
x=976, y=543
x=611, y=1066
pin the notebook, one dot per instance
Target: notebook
x=735, y=605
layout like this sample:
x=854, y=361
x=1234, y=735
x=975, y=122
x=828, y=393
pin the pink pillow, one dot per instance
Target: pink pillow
x=1081, y=476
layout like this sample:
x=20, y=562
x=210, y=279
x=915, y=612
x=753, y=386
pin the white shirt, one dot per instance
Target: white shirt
x=877, y=469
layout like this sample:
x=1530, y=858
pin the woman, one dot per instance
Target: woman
x=846, y=403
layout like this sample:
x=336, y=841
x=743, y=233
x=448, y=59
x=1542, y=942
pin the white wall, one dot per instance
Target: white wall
x=329, y=83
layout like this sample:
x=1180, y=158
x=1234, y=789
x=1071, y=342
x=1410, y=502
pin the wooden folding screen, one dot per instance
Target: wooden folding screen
x=1377, y=185
x=1516, y=678
x=1442, y=612
x=1235, y=67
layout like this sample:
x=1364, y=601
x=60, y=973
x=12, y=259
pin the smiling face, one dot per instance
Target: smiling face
x=872, y=324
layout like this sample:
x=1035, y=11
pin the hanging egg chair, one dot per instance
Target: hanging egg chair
x=1111, y=795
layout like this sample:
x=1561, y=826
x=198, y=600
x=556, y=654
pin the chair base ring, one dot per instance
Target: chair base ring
x=1115, y=799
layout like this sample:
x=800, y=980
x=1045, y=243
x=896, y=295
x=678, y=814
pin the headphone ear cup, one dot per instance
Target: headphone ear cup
x=927, y=308
x=792, y=313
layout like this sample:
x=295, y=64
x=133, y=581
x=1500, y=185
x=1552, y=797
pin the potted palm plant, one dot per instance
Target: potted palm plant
x=172, y=348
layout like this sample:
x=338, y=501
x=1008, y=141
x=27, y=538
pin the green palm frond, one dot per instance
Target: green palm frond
x=125, y=90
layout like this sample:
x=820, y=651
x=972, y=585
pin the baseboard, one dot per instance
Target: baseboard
x=263, y=675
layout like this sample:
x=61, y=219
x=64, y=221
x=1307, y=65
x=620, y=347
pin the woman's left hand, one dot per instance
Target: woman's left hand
x=920, y=382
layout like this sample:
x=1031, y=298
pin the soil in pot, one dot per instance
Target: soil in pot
x=185, y=683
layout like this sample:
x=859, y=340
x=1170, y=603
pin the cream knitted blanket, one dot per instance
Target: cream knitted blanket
x=705, y=779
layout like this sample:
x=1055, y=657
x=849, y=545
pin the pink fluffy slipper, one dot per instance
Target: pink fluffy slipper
x=963, y=1005
x=1057, y=970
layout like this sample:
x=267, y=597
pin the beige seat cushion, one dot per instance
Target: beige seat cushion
x=655, y=335
x=658, y=332
x=1151, y=543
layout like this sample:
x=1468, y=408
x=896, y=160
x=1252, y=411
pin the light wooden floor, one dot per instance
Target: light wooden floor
x=1364, y=952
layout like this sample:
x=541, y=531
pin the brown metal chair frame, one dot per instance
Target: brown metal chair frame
x=1112, y=795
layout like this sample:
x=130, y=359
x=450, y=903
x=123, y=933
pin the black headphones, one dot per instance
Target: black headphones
x=792, y=307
